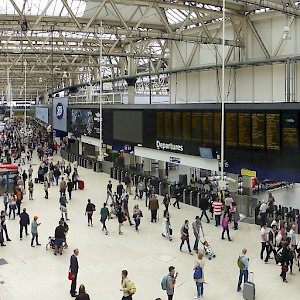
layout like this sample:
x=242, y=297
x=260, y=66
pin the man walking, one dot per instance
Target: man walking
x=125, y=209
x=196, y=228
x=153, y=206
x=177, y=196
x=24, y=222
x=59, y=238
x=243, y=263
x=217, y=205
x=204, y=207
x=228, y=205
x=171, y=281
x=34, y=231
x=104, y=213
x=74, y=270
x=62, y=187
x=109, y=192
x=264, y=239
x=271, y=247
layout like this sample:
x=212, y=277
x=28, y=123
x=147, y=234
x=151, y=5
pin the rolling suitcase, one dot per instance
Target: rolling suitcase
x=81, y=184
x=249, y=289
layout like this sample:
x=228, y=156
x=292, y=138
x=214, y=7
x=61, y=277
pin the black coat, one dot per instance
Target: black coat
x=24, y=219
x=74, y=264
x=204, y=203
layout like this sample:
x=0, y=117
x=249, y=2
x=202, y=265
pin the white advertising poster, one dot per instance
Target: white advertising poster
x=60, y=106
x=41, y=113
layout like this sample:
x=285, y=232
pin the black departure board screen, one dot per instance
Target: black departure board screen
x=177, y=126
x=159, y=124
x=273, y=131
x=231, y=123
x=217, y=128
x=245, y=130
x=168, y=125
x=207, y=127
x=196, y=126
x=186, y=126
x=258, y=130
x=290, y=131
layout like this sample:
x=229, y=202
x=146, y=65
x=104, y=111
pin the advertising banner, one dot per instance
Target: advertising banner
x=60, y=106
x=41, y=113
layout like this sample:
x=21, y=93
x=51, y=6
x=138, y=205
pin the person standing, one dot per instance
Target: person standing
x=171, y=281
x=5, y=201
x=167, y=201
x=197, y=225
x=82, y=293
x=63, y=206
x=109, y=192
x=264, y=239
x=56, y=174
x=12, y=205
x=46, y=188
x=59, y=238
x=270, y=204
x=75, y=179
x=70, y=188
x=148, y=193
x=243, y=265
x=141, y=188
x=177, y=196
x=137, y=215
x=228, y=206
x=293, y=246
x=235, y=215
x=285, y=260
x=199, y=275
x=74, y=270
x=34, y=231
x=104, y=213
x=125, y=282
x=30, y=171
x=30, y=189
x=24, y=222
x=24, y=176
x=217, y=205
x=120, y=188
x=3, y=225
x=62, y=187
x=167, y=226
x=89, y=210
x=125, y=208
x=185, y=236
x=1, y=236
x=204, y=207
x=271, y=244
x=263, y=213
x=120, y=216
x=225, y=226
x=153, y=207
x=19, y=200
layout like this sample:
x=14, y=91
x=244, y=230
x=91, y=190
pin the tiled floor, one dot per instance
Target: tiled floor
x=34, y=273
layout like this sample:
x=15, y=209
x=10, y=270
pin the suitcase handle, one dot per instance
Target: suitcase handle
x=252, y=276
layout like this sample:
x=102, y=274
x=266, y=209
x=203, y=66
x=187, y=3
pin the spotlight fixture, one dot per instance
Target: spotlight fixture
x=286, y=33
x=167, y=54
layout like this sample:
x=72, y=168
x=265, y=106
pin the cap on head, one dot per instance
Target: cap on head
x=35, y=217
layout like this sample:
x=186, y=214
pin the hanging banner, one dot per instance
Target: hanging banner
x=60, y=106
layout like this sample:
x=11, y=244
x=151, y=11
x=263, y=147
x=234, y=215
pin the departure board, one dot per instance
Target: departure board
x=207, y=127
x=258, y=130
x=159, y=124
x=217, y=128
x=244, y=130
x=231, y=123
x=186, y=126
x=273, y=131
x=177, y=126
x=290, y=131
x=168, y=125
x=196, y=126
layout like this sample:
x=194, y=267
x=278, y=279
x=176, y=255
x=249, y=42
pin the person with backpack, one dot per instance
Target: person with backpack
x=199, y=276
x=168, y=282
x=89, y=210
x=243, y=264
x=128, y=287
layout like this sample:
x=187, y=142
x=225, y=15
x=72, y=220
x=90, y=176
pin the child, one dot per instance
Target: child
x=225, y=227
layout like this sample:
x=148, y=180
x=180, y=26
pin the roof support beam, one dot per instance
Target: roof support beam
x=65, y=3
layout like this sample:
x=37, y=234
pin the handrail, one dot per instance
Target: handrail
x=107, y=98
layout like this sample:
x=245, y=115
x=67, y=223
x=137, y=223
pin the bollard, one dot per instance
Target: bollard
x=160, y=189
x=198, y=200
x=191, y=198
x=184, y=196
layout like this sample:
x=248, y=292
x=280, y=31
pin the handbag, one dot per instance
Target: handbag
x=284, y=268
x=124, y=219
x=71, y=276
x=183, y=237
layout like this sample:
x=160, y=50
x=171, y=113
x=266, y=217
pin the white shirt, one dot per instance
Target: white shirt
x=263, y=208
x=292, y=235
x=263, y=233
x=274, y=223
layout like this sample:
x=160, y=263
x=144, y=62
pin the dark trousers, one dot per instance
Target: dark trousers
x=243, y=274
x=34, y=236
x=228, y=213
x=204, y=214
x=153, y=215
x=90, y=218
x=176, y=202
x=18, y=203
x=167, y=207
x=137, y=223
x=263, y=248
x=12, y=210
x=128, y=216
x=196, y=243
x=227, y=231
x=218, y=220
x=170, y=297
x=127, y=297
x=188, y=244
x=73, y=285
x=141, y=194
x=1, y=237
x=103, y=223
x=5, y=230
x=269, y=251
x=21, y=230
x=70, y=195
x=263, y=219
x=46, y=194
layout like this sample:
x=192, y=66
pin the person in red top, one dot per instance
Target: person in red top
x=217, y=205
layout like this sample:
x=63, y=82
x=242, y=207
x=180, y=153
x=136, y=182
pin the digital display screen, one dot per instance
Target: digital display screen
x=177, y=126
x=273, y=131
x=159, y=124
x=290, y=131
x=186, y=126
x=217, y=128
x=207, y=127
x=245, y=130
x=196, y=126
x=258, y=130
x=168, y=125
x=231, y=123
x=205, y=152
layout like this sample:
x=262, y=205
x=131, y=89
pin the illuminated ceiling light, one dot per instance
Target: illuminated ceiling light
x=286, y=33
x=65, y=75
x=167, y=54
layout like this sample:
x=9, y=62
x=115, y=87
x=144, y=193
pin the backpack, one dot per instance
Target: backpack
x=164, y=282
x=240, y=263
x=198, y=273
x=132, y=288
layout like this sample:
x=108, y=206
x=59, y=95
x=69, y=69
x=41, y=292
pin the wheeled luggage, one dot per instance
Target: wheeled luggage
x=81, y=184
x=249, y=289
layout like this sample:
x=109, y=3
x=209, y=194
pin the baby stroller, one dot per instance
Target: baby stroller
x=207, y=250
x=51, y=243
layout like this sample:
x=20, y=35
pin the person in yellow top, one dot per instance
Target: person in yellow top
x=125, y=286
x=192, y=181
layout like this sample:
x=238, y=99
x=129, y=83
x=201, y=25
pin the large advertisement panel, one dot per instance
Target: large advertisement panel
x=60, y=106
x=41, y=113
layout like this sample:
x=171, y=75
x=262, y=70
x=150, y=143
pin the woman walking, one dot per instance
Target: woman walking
x=225, y=226
x=167, y=226
x=30, y=189
x=235, y=215
x=12, y=204
x=70, y=188
x=167, y=201
x=121, y=218
x=185, y=236
x=46, y=187
x=89, y=210
x=137, y=215
x=285, y=260
x=199, y=275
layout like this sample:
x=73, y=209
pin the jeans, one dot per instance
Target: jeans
x=127, y=297
x=263, y=219
x=196, y=242
x=263, y=248
x=108, y=194
x=56, y=180
x=204, y=214
x=227, y=230
x=218, y=220
x=170, y=297
x=153, y=215
x=188, y=244
x=243, y=273
x=34, y=236
x=21, y=230
x=269, y=251
x=199, y=286
x=137, y=223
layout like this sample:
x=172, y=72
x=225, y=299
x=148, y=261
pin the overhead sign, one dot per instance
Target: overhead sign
x=247, y=172
x=175, y=160
x=41, y=113
x=60, y=106
x=168, y=146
